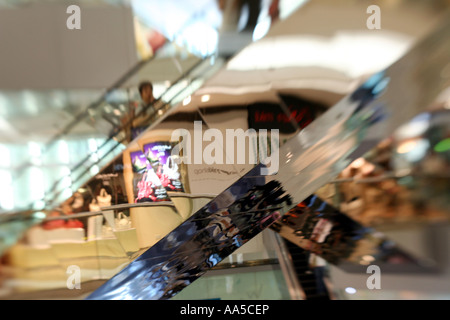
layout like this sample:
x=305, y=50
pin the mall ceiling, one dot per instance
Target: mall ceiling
x=313, y=28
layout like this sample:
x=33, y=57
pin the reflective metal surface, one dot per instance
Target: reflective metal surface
x=308, y=161
x=404, y=179
x=222, y=226
x=321, y=229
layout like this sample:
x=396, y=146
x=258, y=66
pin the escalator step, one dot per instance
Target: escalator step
x=303, y=282
x=318, y=297
x=303, y=272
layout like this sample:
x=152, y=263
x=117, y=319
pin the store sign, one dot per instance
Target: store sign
x=298, y=113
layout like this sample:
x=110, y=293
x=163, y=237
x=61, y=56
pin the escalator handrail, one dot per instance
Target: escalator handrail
x=87, y=169
x=120, y=128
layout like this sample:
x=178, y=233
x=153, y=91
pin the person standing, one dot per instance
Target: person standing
x=146, y=93
x=140, y=120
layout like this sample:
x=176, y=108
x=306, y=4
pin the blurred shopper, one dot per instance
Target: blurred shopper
x=137, y=120
x=141, y=120
x=318, y=266
x=146, y=92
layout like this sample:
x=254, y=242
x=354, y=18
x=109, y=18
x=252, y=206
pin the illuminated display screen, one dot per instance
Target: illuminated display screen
x=146, y=183
x=164, y=164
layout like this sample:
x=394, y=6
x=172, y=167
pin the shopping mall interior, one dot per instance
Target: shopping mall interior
x=135, y=138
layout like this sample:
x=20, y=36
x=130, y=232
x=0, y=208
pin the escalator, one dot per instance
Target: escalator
x=117, y=137
x=311, y=283
x=242, y=202
x=255, y=201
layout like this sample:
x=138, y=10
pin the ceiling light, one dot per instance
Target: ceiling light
x=350, y=290
x=186, y=101
x=205, y=98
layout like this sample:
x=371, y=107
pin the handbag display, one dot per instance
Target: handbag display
x=104, y=199
x=78, y=202
x=171, y=169
x=122, y=222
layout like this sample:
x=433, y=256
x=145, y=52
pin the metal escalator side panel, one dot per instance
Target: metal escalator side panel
x=200, y=243
x=307, y=162
x=318, y=227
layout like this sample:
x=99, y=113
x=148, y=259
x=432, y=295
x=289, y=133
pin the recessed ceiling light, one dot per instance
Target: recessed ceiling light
x=186, y=101
x=350, y=290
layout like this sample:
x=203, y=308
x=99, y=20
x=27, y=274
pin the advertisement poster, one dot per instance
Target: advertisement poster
x=147, y=185
x=111, y=180
x=160, y=158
